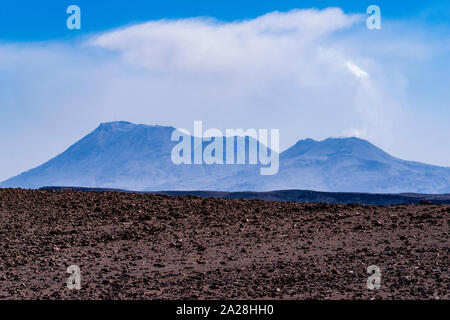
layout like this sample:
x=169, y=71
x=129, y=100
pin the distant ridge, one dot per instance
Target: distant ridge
x=123, y=155
x=302, y=196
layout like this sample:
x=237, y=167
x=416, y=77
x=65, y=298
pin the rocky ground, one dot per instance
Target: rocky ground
x=137, y=246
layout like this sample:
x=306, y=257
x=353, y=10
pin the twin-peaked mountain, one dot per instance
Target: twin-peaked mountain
x=138, y=157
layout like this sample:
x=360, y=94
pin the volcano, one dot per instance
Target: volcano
x=129, y=156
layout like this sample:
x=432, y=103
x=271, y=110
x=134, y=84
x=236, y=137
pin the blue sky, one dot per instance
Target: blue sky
x=43, y=20
x=310, y=73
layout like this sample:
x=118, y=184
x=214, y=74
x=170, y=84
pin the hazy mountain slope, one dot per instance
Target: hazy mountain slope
x=128, y=156
x=353, y=165
x=137, y=157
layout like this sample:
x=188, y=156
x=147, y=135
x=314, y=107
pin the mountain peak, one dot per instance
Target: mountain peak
x=348, y=146
x=116, y=124
x=126, y=126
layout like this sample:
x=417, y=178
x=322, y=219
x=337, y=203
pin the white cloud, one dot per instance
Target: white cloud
x=208, y=45
x=255, y=72
x=357, y=71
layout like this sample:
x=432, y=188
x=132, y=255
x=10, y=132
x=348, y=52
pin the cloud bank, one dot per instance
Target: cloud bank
x=308, y=73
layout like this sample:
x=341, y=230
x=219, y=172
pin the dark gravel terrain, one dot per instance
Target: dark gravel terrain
x=304, y=196
x=142, y=246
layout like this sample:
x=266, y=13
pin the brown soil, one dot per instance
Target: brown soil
x=138, y=246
